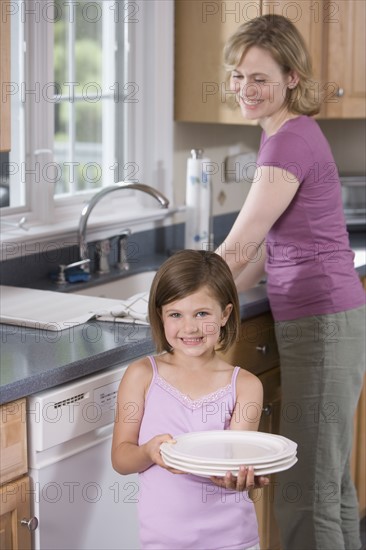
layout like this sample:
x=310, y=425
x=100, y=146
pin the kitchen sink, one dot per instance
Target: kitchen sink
x=123, y=288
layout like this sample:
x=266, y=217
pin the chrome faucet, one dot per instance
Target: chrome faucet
x=83, y=245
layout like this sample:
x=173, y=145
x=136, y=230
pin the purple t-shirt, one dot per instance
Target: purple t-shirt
x=309, y=260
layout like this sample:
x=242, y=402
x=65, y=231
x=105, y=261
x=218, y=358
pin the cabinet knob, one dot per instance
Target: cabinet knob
x=263, y=349
x=267, y=410
x=340, y=92
x=31, y=523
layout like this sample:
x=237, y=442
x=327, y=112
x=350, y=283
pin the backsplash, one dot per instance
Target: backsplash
x=33, y=270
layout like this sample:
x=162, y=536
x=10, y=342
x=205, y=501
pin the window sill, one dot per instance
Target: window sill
x=16, y=242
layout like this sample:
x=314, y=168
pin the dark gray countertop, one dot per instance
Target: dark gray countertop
x=33, y=360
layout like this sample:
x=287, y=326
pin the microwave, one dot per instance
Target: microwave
x=354, y=200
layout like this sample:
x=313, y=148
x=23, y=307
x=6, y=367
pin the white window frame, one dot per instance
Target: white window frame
x=148, y=131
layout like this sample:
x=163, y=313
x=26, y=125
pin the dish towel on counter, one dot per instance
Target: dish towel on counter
x=51, y=310
x=133, y=310
x=198, y=203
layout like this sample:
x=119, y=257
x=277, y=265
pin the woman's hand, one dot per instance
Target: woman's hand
x=245, y=480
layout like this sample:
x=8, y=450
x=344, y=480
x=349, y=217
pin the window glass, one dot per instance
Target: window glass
x=81, y=87
x=84, y=69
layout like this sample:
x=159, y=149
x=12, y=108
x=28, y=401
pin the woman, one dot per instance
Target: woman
x=292, y=228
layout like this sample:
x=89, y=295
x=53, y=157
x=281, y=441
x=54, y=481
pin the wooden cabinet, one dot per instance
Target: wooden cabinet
x=13, y=440
x=333, y=31
x=345, y=59
x=15, y=522
x=5, y=137
x=201, y=30
x=14, y=515
x=256, y=348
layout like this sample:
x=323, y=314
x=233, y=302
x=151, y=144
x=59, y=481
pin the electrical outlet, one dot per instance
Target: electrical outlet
x=240, y=167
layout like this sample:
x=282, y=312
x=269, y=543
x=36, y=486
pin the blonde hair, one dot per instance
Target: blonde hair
x=185, y=273
x=278, y=35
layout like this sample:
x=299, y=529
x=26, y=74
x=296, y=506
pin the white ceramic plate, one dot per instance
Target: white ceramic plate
x=229, y=447
x=222, y=466
x=211, y=471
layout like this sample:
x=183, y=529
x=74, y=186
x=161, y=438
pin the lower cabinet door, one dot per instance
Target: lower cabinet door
x=15, y=521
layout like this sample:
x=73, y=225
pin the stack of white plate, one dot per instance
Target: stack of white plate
x=213, y=453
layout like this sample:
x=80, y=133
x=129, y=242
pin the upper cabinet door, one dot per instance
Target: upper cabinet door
x=5, y=136
x=344, y=32
x=201, y=30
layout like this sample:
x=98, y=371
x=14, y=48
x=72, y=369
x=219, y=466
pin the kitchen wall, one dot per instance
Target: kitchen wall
x=347, y=139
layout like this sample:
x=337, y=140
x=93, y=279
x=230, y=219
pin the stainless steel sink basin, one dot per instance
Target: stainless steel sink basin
x=122, y=288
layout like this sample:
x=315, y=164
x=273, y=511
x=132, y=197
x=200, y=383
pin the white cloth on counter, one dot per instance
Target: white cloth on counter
x=133, y=310
x=55, y=311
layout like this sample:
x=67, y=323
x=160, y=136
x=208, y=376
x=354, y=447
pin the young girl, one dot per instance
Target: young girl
x=193, y=311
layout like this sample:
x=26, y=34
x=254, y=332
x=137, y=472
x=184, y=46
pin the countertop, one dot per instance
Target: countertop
x=33, y=360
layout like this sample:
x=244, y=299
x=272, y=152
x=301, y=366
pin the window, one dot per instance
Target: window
x=88, y=67
x=85, y=75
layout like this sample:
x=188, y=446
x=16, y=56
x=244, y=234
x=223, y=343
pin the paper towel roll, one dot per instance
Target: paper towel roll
x=198, y=203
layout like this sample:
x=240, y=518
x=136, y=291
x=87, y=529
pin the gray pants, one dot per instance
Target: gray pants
x=322, y=368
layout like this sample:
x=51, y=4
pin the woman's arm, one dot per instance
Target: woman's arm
x=127, y=456
x=270, y=194
x=253, y=272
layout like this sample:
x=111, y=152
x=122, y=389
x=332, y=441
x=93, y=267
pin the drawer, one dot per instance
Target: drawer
x=13, y=440
x=255, y=349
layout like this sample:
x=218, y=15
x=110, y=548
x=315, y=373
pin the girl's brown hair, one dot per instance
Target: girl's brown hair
x=279, y=36
x=183, y=274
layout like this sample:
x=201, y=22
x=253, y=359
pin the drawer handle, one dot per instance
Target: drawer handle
x=31, y=523
x=267, y=410
x=263, y=349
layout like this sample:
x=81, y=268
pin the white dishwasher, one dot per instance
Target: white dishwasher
x=81, y=503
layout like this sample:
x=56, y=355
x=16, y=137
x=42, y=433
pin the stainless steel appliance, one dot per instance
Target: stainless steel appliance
x=354, y=201
x=80, y=501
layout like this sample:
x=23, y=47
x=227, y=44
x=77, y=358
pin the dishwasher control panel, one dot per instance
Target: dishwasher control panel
x=106, y=396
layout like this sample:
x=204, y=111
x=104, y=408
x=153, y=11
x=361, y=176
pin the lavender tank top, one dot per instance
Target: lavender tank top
x=181, y=512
